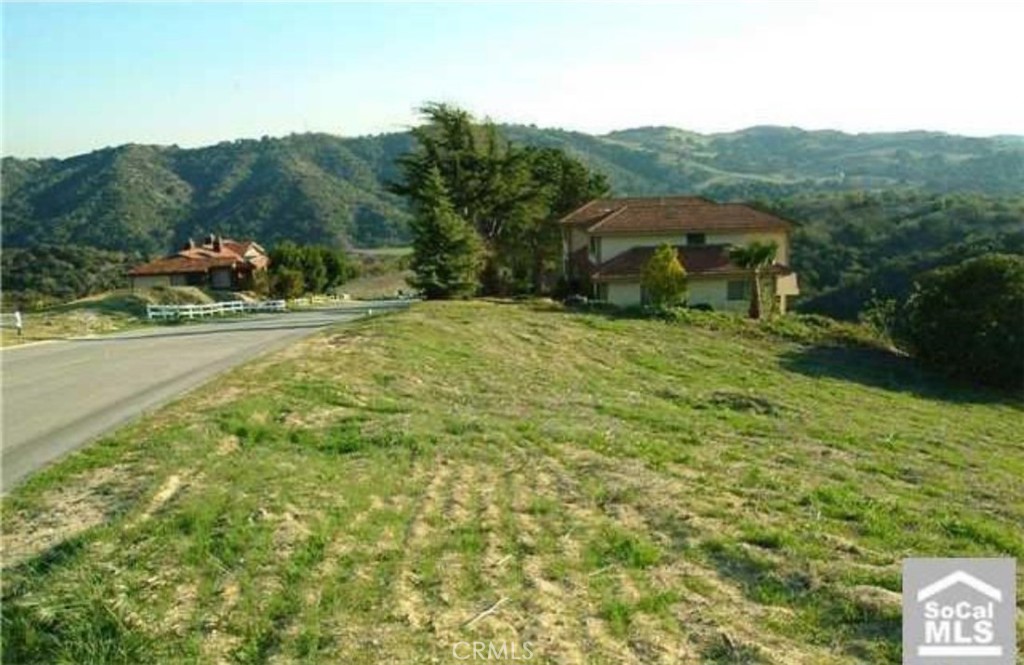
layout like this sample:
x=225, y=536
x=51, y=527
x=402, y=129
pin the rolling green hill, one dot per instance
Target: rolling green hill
x=327, y=189
x=774, y=161
x=311, y=188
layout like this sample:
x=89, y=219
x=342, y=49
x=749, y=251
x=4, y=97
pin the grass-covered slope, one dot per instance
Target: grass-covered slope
x=624, y=491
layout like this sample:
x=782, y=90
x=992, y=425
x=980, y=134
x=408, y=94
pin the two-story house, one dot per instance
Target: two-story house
x=607, y=243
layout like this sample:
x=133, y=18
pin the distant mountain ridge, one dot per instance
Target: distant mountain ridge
x=328, y=189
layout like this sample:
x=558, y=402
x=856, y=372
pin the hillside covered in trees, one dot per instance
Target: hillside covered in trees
x=310, y=188
x=874, y=209
x=325, y=189
x=854, y=247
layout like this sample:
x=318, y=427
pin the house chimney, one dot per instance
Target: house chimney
x=209, y=239
x=216, y=244
x=191, y=244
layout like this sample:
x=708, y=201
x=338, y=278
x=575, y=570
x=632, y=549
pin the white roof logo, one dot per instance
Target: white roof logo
x=960, y=577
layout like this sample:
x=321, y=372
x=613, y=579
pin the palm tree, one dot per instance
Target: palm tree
x=755, y=257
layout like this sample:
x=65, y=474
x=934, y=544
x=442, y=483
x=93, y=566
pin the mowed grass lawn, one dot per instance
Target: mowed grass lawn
x=622, y=491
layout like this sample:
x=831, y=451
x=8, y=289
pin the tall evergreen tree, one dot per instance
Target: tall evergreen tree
x=447, y=252
x=512, y=196
x=566, y=184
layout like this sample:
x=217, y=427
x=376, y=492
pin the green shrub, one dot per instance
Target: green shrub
x=664, y=278
x=969, y=319
x=287, y=283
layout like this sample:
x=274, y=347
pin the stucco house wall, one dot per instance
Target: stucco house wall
x=786, y=285
x=221, y=278
x=578, y=239
x=624, y=294
x=150, y=281
x=613, y=245
x=708, y=291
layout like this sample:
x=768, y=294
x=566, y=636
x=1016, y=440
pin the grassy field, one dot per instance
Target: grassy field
x=616, y=491
x=384, y=251
x=374, y=287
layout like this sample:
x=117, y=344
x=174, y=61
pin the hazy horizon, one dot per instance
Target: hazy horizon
x=498, y=121
x=81, y=77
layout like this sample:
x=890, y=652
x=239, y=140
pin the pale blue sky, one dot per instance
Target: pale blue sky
x=78, y=77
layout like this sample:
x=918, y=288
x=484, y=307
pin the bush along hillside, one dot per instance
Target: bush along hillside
x=306, y=269
x=37, y=276
x=968, y=320
x=618, y=491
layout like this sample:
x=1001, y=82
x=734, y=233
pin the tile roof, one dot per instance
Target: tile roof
x=240, y=247
x=182, y=264
x=698, y=260
x=669, y=213
x=202, y=258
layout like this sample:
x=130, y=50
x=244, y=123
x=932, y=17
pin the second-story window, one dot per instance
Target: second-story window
x=696, y=239
x=595, y=248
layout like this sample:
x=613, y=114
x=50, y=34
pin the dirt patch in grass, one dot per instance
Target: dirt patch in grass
x=411, y=606
x=170, y=488
x=89, y=500
x=317, y=418
x=225, y=395
x=227, y=445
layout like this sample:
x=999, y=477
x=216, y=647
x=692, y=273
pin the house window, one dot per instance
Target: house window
x=601, y=292
x=696, y=239
x=595, y=248
x=738, y=289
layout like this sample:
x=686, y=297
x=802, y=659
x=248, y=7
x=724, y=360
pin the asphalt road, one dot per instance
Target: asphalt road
x=58, y=396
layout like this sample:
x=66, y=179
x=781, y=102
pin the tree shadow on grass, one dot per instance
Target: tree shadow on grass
x=68, y=626
x=878, y=368
x=824, y=352
x=56, y=556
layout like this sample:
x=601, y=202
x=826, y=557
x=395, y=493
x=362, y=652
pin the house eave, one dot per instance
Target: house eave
x=697, y=229
x=777, y=271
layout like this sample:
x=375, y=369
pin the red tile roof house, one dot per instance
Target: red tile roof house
x=607, y=242
x=219, y=263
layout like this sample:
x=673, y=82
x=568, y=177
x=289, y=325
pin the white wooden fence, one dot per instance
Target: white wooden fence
x=213, y=309
x=7, y=320
x=318, y=300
